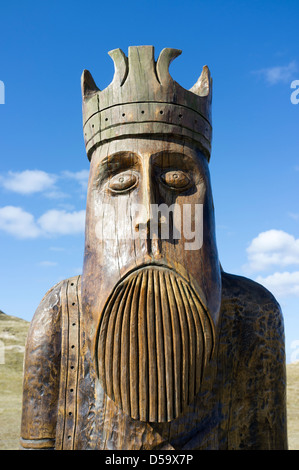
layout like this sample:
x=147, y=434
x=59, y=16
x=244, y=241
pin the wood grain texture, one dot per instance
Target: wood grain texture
x=144, y=345
x=158, y=104
x=240, y=405
x=154, y=346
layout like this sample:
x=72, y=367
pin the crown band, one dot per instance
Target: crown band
x=143, y=99
x=146, y=118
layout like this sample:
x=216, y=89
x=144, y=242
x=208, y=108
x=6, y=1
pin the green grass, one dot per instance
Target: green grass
x=293, y=405
x=13, y=332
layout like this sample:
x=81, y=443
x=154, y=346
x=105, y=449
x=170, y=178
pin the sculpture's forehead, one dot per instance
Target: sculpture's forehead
x=149, y=148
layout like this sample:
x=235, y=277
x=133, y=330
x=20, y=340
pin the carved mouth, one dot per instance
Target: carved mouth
x=153, y=342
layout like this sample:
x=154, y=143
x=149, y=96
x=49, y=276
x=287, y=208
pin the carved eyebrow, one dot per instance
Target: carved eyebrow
x=166, y=159
x=115, y=163
x=119, y=160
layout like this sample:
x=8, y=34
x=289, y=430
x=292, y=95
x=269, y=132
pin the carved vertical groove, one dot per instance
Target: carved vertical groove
x=160, y=352
x=133, y=339
x=152, y=345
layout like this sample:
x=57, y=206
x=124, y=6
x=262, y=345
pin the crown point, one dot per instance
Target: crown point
x=88, y=85
x=120, y=65
x=203, y=86
x=167, y=55
x=142, y=66
x=144, y=99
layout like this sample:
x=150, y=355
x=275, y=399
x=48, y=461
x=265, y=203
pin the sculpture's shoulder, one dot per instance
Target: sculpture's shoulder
x=42, y=367
x=246, y=291
x=47, y=317
x=251, y=364
x=47, y=314
x=251, y=309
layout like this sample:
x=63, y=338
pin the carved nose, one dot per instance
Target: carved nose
x=143, y=221
x=149, y=222
x=150, y=227
x=140, y=226
x=150, y=232
x=143, y=218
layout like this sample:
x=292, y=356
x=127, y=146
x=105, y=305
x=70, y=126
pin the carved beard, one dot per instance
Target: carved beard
x=154, y=340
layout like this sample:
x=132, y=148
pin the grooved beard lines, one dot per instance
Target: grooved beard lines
x=153, y=342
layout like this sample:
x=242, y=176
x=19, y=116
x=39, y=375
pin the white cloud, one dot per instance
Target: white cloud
x=80, y=176
x=28, y=181
x=17, y=222
x=21, y=224
x=278, y=74
x=294, y=215
x=272, y=248
x=56, y=194
x=60, y=222
x=37, y=181
x=48, y=263
x=281, y=284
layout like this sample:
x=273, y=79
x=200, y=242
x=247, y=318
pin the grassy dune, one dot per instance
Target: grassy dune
x=13, y=332
x=293, y=405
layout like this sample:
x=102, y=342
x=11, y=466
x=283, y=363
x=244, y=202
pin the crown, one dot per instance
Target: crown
x=143, y=99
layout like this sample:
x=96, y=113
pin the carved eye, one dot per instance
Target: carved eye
x=123, y=182
x=176, y=179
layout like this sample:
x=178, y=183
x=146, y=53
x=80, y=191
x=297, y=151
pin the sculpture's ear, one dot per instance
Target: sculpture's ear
x=88, y=85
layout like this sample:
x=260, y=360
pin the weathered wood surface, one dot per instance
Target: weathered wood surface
x=241, y=403
x=144, y=99
x=154, y=346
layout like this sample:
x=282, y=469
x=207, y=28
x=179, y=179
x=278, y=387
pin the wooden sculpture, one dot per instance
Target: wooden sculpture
x=154, y=346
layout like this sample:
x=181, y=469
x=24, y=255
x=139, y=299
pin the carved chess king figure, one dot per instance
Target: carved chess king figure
x=154, y=346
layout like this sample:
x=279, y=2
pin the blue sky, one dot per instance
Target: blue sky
x=252, y=51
